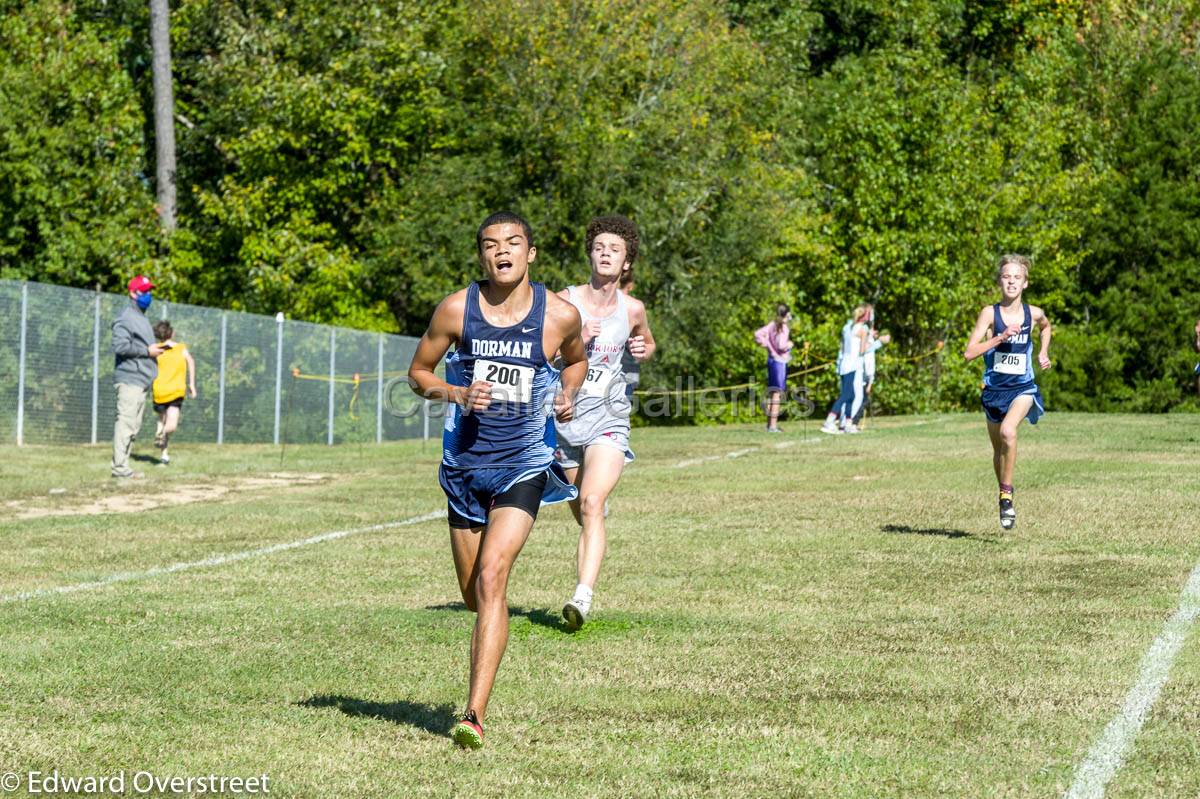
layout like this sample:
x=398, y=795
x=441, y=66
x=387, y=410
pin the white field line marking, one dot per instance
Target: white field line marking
x=1105, y=757
x=795, y=441
x=217, y=560
x=737, y=453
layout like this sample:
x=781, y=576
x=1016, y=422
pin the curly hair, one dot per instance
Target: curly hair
x=619, y=225
x=163, y=330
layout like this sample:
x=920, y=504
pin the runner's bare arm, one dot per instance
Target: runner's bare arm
x=1044, y=333
x=190, y=362
x=592, y=328
x=563, y=323
x=980, y=342
x=444, y=330
x=641, y=341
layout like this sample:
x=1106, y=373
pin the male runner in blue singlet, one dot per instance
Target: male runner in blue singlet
x=498, y=445
x=1003, y=335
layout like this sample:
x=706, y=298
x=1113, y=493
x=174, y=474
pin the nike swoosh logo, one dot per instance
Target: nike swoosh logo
x=528, y=329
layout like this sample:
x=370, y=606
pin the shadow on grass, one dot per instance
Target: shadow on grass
x=437, y=719
x=541, y=617
x=447, y=606
x=940, y=532
x=538, y=616
x=143, y=458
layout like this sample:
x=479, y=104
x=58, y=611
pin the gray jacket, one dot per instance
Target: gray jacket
x=131, y=336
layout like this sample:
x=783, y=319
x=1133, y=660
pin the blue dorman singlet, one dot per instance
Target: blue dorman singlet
x=516, y=429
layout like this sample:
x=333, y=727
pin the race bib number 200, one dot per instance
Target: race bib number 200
x=509, y=383
x=1010, y=363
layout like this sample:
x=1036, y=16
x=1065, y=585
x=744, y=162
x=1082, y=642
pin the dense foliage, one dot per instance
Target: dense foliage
x=335, y=158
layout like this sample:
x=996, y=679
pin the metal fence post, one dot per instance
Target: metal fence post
x=379, y=396
x=425, y=413
x=278, y=369
x=221, y=386
x=96, y=366
x=332, y=374
x=21, y=366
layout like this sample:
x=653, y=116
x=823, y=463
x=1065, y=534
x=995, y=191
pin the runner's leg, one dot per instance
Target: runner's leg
x=1008, y=434
x=501, y=542
x=601, y=472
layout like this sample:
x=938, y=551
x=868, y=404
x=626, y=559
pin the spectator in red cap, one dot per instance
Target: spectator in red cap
x=136, y=349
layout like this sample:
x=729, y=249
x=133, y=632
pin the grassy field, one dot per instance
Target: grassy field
x=777, y=616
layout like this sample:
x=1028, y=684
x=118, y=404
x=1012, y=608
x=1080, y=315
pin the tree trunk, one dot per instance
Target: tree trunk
x=164, y=109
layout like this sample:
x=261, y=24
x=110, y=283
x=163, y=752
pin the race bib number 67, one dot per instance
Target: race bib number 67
x=509, y=383
x=1010, y=363
x=595, y=384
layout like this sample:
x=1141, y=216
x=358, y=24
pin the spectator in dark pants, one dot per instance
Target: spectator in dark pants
x=136, y=349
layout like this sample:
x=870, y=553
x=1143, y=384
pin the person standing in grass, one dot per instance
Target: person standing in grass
x=176, y=377
x=776, y=338
x=498, y=445
x=136, y=351
x=1003, y=335
x=849, y=366
x=875, y=342
x=593, y=446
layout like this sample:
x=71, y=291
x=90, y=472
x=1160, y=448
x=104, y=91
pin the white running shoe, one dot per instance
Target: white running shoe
x=831, y=429
x=575, y=613
x=850, y=428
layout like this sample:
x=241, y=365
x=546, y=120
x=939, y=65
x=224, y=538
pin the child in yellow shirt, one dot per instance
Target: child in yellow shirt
x=175, y=369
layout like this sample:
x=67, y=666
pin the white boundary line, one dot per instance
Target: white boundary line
x=1107, y=754
x=737, y=453
x=216, y=560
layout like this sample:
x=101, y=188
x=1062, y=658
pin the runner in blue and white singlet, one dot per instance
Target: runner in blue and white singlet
x=1008, y=371
x=593, y=447
x=513, y=434
x=1003, y=335
x=497, y=460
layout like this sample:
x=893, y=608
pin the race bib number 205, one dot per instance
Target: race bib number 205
x=1010, y=363
x=509, y=383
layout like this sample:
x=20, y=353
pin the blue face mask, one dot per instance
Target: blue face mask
x=143, y=300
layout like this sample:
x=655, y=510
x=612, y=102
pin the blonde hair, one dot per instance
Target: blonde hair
x=1012, y=258
x=860, y=311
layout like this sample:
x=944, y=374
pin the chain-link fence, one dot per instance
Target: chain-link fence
x=258, y=380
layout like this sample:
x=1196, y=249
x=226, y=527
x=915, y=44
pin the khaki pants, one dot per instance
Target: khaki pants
x=131, y=404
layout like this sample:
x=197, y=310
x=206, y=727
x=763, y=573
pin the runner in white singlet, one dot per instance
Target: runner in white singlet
x=593, y=447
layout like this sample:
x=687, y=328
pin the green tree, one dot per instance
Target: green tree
x=74, y=207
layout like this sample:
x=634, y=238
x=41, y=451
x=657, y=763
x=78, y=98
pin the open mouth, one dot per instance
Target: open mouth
x=502, y=265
